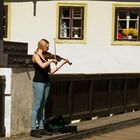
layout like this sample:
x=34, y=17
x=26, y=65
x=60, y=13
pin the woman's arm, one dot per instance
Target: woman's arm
x=56, y=68
x=45, y=64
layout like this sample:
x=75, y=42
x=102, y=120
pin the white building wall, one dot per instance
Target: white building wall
x=96, y=56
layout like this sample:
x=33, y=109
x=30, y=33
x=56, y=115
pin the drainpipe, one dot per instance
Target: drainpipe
x=2, y=78
x=2, y=105
x=1, y=25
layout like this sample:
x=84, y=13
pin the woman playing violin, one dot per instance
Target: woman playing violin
x=41, y=86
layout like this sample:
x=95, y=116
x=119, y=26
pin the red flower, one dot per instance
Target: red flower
x=120, y=36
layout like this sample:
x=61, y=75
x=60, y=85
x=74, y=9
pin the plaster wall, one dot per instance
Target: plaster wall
x=97, y=55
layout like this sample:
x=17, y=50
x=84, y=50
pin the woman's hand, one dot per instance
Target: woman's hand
x=53, y=60
x=60, y=64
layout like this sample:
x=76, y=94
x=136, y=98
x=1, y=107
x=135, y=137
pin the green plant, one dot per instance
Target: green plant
x=130, y=31
x=133, y=32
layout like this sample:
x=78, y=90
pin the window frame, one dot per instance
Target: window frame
x=126, y=7
x=79, y=40
x=71, y=19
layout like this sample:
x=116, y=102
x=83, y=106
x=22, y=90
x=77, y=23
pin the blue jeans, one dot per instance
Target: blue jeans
x=41, y=92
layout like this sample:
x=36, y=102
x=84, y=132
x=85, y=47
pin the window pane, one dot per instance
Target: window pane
x=65, y=13
x=122, y=15
x=132, y=24
x=76, y=23
x=75, y=32
x=77, y=12
x=64, y=23
x=121, y=24
x=133, y=15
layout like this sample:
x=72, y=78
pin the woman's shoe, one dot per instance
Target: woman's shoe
x=45, y=132
x=35, y=133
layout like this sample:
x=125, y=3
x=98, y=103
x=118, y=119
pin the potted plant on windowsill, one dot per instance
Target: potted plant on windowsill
x=130, y=33
x=76, y=32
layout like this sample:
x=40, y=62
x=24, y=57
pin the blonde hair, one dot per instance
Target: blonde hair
x=41, y=44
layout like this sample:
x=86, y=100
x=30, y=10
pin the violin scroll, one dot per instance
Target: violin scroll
x=70, y=63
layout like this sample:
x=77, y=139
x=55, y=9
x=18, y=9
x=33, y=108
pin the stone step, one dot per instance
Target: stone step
x=92, y=127
x=101, y=125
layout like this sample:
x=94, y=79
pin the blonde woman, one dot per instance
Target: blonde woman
x=41, y=87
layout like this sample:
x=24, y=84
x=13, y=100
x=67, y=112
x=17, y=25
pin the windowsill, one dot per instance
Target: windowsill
x=65, y=41
x=130, y=43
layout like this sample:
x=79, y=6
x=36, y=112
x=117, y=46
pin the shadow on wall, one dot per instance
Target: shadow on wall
x=29, y=71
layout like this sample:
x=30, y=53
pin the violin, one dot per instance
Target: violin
x=48, y=55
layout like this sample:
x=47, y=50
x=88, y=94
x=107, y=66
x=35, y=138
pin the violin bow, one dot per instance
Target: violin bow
x=55, y=50
x=55, y=53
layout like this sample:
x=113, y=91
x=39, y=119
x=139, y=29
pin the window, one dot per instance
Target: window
x=5, y=21
x=71, y=22
x=127, y=24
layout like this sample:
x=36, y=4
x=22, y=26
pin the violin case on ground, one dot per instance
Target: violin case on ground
x=58, y=124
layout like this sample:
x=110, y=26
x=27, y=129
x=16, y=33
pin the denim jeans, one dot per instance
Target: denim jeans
x=41, y=92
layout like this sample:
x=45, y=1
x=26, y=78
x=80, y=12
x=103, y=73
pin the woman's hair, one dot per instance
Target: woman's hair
x=41, y=44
